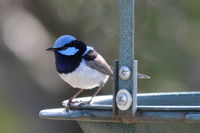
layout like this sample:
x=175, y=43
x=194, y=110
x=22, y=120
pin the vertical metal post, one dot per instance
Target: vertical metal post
x=126, y=58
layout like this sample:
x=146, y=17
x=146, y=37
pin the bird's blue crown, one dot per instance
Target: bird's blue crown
x=63, y=40
x=70, y=51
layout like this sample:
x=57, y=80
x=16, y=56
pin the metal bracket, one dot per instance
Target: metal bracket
x=125, y=90
x=125, y=73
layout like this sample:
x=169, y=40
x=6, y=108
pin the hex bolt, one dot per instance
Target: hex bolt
x=124, y=73
x=123, y=99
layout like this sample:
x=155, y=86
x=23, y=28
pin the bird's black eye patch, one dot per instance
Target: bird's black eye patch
x=79, y=45
x=64, y=47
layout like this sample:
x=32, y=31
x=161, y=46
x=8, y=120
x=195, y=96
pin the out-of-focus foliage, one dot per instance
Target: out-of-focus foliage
x=166, y=35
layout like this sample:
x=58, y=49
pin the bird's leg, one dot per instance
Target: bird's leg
x=74, y=96
x=98, y=89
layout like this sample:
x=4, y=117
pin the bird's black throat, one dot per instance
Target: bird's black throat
x=67, y=64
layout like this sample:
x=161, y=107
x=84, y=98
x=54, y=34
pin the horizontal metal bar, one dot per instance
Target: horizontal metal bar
x=78, y=115
x=92, y=107
x=106, y=116
x=140, y=108
x=169, y=108
x=177, y=106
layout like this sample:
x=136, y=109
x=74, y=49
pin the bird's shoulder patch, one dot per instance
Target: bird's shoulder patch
x=91, y=55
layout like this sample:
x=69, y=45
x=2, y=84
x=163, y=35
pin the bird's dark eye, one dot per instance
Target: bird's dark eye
x=63, y=48
x=69, y=51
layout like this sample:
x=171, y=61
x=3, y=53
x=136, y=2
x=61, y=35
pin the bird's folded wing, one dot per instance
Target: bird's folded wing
x=99, y=64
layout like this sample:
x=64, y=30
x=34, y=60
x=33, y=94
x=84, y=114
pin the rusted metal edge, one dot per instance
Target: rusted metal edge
x=107, y=116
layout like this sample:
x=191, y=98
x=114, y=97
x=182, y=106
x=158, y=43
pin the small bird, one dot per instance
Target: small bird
x=80, y=65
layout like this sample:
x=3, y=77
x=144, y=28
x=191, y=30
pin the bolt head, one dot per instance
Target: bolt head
x=124, y=73
x=123, y=99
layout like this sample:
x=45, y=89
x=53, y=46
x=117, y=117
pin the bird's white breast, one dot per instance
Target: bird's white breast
x=84, y=77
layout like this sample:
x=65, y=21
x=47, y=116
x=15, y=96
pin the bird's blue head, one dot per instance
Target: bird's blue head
x=63, y=40
x=68, y=45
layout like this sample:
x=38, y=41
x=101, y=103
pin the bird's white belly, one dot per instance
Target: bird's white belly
x=84, y=77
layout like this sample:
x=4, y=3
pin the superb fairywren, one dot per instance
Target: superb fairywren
x=80, y=65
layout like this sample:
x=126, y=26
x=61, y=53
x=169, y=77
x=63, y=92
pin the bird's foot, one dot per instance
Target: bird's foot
x=84, y=103
x=70, y=102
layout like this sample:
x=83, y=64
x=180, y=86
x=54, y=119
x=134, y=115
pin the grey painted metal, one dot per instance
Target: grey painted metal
x=139, y=108
x=126, y=53
x=135, y=86
x=106, y=116
x=126, y=19
x=153, y=107
x=115, y=86
x=142, y=127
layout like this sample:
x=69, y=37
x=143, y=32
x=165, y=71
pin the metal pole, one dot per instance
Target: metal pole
x=127, y=67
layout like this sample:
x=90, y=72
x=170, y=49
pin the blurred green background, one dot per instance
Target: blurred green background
x=167, y=36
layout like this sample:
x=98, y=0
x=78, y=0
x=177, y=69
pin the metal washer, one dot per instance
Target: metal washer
x=123, y=99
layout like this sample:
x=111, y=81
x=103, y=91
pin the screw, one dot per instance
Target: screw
x=123, y=99
x=125, y=73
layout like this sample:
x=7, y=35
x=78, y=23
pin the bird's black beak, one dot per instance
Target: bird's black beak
x=51, y=49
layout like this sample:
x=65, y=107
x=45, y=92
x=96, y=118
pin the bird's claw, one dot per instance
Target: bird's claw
x=78, y=104
x=84, y=103
x=70, y=102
